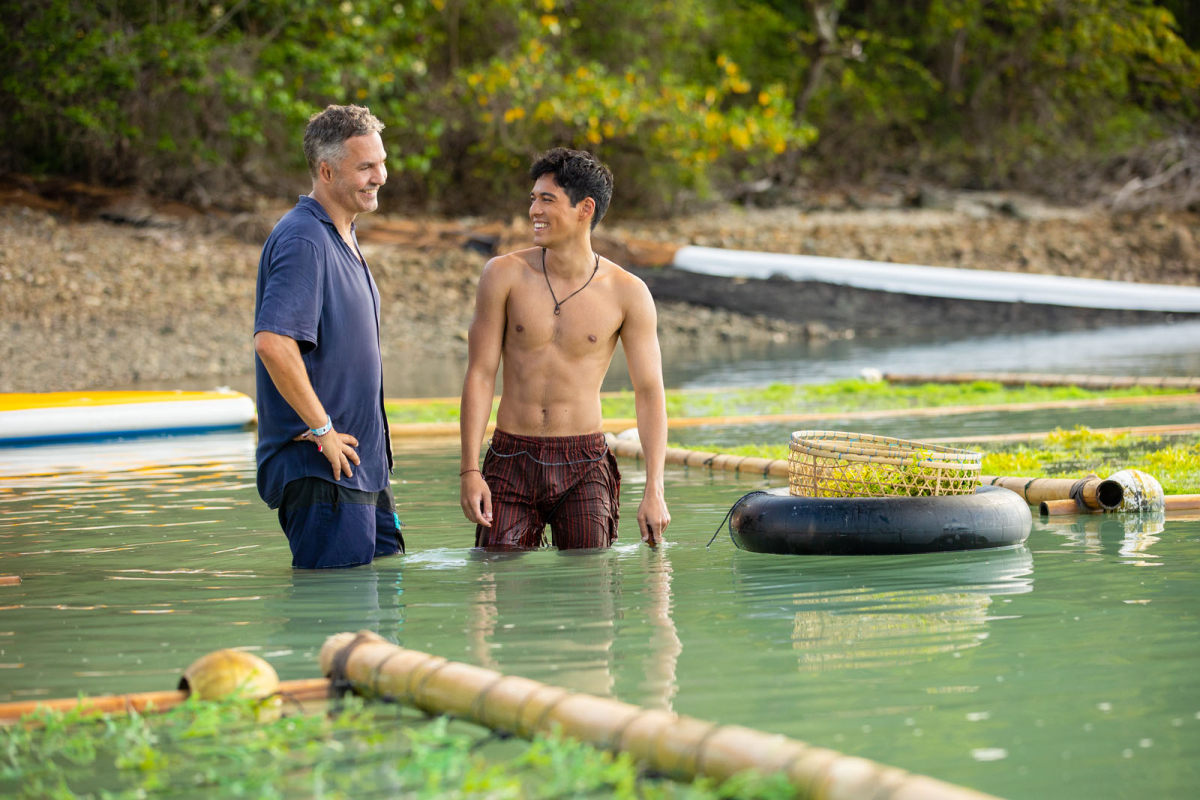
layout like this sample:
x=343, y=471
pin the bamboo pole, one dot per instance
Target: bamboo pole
x=10, y=580
x=302, y=690
x=1141, y=430
x=678, y=746
x=778, y=467
x=1061, y=508
x=1094, y=493
x=1044, y=379
x=1181, y=502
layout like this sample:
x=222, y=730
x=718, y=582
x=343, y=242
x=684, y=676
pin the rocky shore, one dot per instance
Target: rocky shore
x=121, y=299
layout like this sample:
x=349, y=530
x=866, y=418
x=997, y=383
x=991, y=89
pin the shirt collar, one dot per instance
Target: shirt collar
x=317, y=210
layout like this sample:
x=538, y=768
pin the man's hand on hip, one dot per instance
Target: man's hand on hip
x=476, y=498
x=653, y=518
x=338, y=448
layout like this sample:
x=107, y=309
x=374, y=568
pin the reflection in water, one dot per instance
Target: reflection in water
x=1127, y=535
x=865, y=611
x=580, y=651
x=320, y=603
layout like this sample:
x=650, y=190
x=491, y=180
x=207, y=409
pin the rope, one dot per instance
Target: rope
x=339, y=683
x=729, y=518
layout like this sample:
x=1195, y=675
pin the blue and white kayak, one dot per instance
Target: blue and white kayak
x=44, y=417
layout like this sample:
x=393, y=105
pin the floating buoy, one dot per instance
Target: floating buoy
x=234, y=673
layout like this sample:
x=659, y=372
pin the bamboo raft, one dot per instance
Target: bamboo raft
x=673, y=745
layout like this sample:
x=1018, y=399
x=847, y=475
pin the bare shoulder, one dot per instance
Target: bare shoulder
x=509, y=264
x=631, y=289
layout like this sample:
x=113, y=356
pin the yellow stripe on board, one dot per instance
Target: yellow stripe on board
x=15, y=401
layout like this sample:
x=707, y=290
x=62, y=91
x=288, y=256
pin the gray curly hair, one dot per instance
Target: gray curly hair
x=327, y=132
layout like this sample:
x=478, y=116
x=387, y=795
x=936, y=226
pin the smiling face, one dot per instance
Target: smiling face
x=554, y=219
x=352, y=185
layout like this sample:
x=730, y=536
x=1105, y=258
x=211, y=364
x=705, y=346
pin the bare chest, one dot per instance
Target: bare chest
x=586, y=324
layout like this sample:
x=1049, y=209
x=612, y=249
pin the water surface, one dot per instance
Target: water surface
x=1062, y=669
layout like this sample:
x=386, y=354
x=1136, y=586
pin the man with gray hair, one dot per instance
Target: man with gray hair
x=324, y=450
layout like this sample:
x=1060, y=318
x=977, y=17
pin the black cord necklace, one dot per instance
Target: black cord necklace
x=558, y=303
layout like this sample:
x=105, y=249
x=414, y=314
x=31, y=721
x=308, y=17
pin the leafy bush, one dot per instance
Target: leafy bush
x=200, y=99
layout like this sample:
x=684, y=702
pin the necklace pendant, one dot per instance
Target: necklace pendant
x=557, y=311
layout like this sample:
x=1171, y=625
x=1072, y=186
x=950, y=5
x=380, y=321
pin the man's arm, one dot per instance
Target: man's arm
x=485, y=342
x=281, y=356
x=639, y=336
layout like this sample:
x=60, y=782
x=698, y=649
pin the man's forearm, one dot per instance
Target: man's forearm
x=473, y=417
x=652, y=432
x=281, y=356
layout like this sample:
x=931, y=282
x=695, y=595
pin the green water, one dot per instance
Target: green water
x=1063, y=669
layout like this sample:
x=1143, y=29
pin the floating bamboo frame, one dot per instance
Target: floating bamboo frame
x=678, y=746
x=1046, y=379
x=1062, y=508
x=143, y=702
x=844, y=464
x=1094, y=494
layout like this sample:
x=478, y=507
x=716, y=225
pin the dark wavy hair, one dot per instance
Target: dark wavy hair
x=580, y=174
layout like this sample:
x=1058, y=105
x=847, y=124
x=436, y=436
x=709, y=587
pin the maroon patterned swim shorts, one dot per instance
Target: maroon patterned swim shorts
x=570, y=482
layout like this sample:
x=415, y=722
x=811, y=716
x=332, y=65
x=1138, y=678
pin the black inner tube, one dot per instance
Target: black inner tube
x=780, y=523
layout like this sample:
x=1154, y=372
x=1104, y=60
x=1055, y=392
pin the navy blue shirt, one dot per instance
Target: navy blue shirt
x=313, y=288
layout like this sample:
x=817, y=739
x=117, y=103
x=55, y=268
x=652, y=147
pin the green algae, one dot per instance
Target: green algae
x=1173, y=459
x=356, y=749
x=780, y=398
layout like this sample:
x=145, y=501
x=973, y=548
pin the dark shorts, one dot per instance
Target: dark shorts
x=570, y=482
x=331, y=526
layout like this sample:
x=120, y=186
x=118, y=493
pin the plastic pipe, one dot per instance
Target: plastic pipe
x=678, y=746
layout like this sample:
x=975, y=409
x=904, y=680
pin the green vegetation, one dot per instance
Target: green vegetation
x=780, y=398
x=217, y=749
x=1173, y=460
x=201, y=98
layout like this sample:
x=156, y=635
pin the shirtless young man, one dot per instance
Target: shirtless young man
x=555, y=312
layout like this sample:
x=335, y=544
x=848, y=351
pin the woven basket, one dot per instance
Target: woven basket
x=841, y=464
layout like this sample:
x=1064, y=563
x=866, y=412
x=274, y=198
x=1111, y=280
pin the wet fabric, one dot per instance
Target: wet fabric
x=569, y=482
x=329, y=526
x=312, y=287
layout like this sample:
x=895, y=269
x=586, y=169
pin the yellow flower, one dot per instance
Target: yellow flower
x=594, y=136
x=474, y=79
x=486, y=117
x=739, y=137
x=362, y=93
x=514, y=114
x=764, y=99
x=710, y=96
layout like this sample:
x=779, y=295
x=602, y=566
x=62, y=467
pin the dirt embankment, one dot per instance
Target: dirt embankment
x=140, y=294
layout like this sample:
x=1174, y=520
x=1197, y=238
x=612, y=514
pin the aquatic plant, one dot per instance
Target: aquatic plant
x=1074, y=453
x=349, y=750
x=780, y=398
